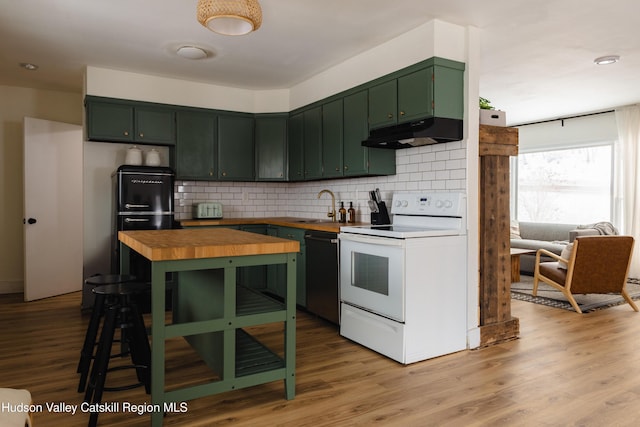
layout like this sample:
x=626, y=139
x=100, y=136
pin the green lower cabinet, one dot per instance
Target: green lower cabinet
x=255, y=277
x=276, y=274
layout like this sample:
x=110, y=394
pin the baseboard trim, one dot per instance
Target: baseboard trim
x=7, y=287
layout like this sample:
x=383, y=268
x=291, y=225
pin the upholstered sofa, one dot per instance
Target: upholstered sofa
x=549, y=236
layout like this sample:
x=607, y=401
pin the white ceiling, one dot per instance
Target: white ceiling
x=537, y=56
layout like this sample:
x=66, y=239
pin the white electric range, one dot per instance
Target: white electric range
x=403, y=286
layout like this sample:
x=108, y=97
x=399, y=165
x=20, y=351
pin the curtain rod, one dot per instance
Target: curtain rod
x=562, y=119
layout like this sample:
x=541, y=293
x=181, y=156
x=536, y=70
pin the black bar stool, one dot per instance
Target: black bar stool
x=90, y=338
x=120, y=311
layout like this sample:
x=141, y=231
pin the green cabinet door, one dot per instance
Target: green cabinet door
x=235, y=148
x=196, y=145
x=359, y=160
x=383, y=104
x=255, y=277
x=448, y=91
x=332, y=134
x=415, y=95
x=115, y=120
x=313, y=143
x=295, y=147
x=356, y=130
x=155, y=125
x=276, y=274
x=271, y=148
x=109, y=121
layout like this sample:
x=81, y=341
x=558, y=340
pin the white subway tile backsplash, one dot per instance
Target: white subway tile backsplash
x=438, y=167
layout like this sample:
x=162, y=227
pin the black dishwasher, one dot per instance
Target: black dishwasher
x=322, y=274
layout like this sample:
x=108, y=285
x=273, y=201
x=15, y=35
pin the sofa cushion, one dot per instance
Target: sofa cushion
x=514, y=230
x=565, y=254
x=545, y=231
x=534, y=245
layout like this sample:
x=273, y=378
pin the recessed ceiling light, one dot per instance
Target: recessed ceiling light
x=191, y=52
x=606, y=60
x=28, y=66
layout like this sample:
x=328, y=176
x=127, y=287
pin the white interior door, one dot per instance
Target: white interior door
x=52, y=208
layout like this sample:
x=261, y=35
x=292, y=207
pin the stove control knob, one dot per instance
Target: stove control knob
x=398, y=203
x=439, y=204
x=448, y=204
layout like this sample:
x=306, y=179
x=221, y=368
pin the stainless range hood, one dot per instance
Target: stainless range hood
x=432, y=130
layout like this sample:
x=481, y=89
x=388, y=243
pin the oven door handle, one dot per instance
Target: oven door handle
x=381, y=241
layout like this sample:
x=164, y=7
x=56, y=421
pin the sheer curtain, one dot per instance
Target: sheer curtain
x=627, y=179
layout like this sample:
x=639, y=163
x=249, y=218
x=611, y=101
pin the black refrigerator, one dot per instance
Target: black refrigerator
x=143, y=201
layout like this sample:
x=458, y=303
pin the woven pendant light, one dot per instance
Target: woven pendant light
x=230, y=17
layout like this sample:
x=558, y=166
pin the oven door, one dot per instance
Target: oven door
x=372, y=274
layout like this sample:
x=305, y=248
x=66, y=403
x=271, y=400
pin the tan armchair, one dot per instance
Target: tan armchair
x=597, y=265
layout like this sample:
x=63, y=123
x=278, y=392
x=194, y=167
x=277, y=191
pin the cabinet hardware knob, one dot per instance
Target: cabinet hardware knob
x=337, y=169
x=346, y=167
x=389, y=116
x=141, y=135
x=402, y=113
x=126, y=133
x=224, y=174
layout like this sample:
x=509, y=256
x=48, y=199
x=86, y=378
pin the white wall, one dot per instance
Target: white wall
x=15, y=104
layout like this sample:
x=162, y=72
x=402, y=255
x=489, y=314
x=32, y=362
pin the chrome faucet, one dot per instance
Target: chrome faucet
x=331, y=214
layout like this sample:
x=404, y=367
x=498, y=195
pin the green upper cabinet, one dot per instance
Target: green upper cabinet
x=271, y=147
x=415, y=95
x=196, y=149
x=332, y=135
x=383, y=104
x=155, y=125
x=235, y=147
x=295, y=147
x=434, y=88
x=448, y=91
x=359, y=160
x=312, y=131
x=115, y=120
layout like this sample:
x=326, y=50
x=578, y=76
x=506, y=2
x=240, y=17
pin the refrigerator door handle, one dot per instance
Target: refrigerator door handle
x=130, y=206
x=136, y=220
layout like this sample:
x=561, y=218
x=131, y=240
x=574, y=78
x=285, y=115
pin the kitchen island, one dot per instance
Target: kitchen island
x=210, y=310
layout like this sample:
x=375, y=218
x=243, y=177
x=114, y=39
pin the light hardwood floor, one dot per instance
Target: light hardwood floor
x=565, y=369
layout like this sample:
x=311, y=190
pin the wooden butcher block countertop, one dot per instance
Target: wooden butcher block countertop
x=196, y=243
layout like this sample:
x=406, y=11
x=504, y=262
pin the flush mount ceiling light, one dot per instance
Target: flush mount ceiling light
x=29, y=66
x=606, y=60
x=230, y=17
x=191, y=52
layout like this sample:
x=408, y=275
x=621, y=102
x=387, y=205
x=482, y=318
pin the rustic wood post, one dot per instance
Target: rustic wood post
x=496, y=322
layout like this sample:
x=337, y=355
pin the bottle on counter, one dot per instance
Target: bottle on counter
x=342, y=213
x=351, y=213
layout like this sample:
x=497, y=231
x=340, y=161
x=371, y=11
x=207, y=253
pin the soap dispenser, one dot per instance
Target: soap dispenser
x=342, y=213
x=351, y=213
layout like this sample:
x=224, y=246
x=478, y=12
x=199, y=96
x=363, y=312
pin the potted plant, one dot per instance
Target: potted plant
x=489, y=115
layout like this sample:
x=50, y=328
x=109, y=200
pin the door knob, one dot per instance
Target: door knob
x=30, y=221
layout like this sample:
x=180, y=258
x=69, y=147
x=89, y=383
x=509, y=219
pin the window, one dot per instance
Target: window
x=570, y=186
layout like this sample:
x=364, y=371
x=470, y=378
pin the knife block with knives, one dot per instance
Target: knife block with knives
x=379, y=213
